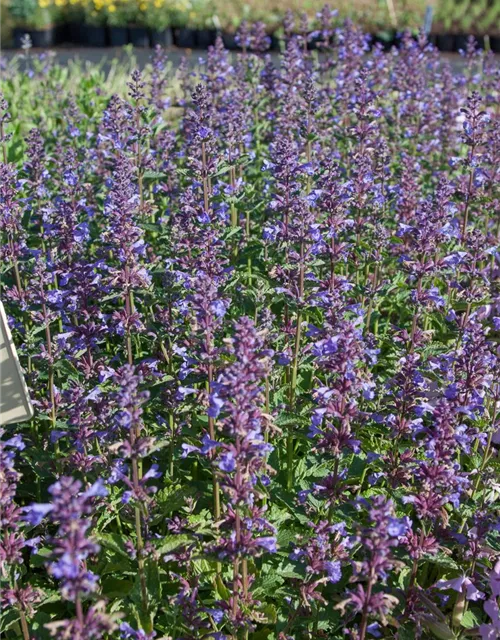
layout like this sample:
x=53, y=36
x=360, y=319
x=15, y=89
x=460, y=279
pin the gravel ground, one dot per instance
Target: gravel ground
x=103, y=55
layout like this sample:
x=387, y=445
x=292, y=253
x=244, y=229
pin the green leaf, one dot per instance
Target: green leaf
x=290, y=572
x=50, y=596
x=438, y=629
x=169, y=543
x=442, y=560
x=403, y=578
x=267, y=584
x=154, y=175
x=153, y=582
x=116, y=587
x=222, y=590
x=40, y=557
x=114, y=542
x=269, y=611
x=9, y=619
x=470, y=620
x=285, y=537
x=173, y=498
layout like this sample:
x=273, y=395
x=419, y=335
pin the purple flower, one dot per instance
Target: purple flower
x=35, y=513
x=268, y=543
x=227, y=462
x=129, y=633
x=461, y=584
x=216, y=404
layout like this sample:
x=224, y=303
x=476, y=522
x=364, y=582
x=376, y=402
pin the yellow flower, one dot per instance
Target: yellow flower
x=143, y=6
x=158, y=4
x=111, y=8
x=43, y=4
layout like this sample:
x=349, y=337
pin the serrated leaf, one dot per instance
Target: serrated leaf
x=470, y=620
x=269, y=611
x=266, y=584
x=154, y=175
x=169, y=543
x=442, y=560
x=114, y=542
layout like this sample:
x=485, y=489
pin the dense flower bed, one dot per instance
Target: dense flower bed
x=258, y=310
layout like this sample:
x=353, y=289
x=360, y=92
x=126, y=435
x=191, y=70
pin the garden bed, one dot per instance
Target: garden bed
x=257, y=307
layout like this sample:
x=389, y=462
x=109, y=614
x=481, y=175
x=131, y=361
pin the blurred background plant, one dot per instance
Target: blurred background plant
x=467, y=16
x=33, y=14
x=374, y=16
x=158, y=15
x=94, y=13
x=180, y=11
x=202, y=15
x=120, y=13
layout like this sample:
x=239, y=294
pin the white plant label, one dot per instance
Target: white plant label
x=15, y=404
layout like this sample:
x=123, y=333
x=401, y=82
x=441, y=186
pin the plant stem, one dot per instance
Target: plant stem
x=4, y=146
x=22, y=616
x=79, y=611
x=172, y=444
x=136, y=473
x=24, y=625
x=129, y=307
x=211, y=430
x=290, y=444
x=138, y=528
x=364, y=618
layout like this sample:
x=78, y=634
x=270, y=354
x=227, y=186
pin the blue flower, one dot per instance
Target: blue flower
x=35, y=513
x=216, y=405
x=333, y=570
x=227, y=462
x=268, y=543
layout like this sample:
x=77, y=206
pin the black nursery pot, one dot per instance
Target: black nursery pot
x=42, y=38
x=229, y=40
x=460, y=43
x=184, y=38
x=93, y=35
x=17, y=36
x=117, y=36
x=162, y=38
x=432, y=39
x=445, y=42
x=76, y=32
x=479, y=42
x=314, y=42
x=205, y=38
x=495, y=44
x=275, y=43
x=139, y=36
x=61, y=33
x=387, y=42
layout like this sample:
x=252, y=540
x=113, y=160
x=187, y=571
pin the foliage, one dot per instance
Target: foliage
x=460, y=16
x=257, y=304
x=34, y=14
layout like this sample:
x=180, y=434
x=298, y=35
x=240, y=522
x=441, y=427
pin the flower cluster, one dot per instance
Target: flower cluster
x=256, y=301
